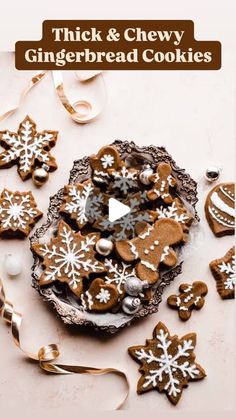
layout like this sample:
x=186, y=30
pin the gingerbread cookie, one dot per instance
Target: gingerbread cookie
x=162, y=180
x=124, y=227
x=190, y=297
x=178, y=212
x=124, y=179
x=106, y=159
x=18, y=213
x=219, y=209
x=100, y=296
x=224, y=272
x=28, y=148
x=69, y=258
x=167, y=363
x=83, y=202
x=151, y=248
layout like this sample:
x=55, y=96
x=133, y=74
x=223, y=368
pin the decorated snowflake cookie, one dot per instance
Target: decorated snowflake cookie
x=28, y=148
x=124, y=179
x=118, y=272
x=83, y=202
x=167, y=363
x=18, y=213
x=69, y=257
x=224, y=272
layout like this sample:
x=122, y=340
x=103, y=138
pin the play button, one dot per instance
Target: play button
x=116, y=209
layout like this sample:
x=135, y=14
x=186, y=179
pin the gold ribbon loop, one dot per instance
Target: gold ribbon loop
x=49, y=353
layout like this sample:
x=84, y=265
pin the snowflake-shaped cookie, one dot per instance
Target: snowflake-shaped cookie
x=18, y=213
x=118, y=273
x=167, y=363
x=124, y=227
x=83, y=202
x=69, y=257
x=27, y=148
x=224, y=272
x=124, y=179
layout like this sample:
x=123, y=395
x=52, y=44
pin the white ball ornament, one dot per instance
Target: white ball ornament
x=12, y=265
x=130, y=305
x=144, y=176
x=104, y=247
x=40, y=176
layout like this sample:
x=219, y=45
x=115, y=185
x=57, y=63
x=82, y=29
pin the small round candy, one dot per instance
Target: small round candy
x=13, y=265
x=130, y=305
x=212, y=173
x=104, y=247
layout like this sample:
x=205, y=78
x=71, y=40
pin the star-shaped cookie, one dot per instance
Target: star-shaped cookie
x=27, y=148
x=69, y=257
x=167, y=363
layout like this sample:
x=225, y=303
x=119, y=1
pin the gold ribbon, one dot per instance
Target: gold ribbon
x=72, y=108
x=32, y=82
x=49, y=353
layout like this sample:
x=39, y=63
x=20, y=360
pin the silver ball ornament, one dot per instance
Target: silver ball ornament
x=40, y=176
x=212, y=173
x=104, y=247
x=133, y=286
x=130, y=305
x=144, y=176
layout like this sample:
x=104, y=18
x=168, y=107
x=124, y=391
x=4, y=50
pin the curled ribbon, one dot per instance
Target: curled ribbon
x=49, y=353
x=32, y=82
x=89, y=114
x=79, y=117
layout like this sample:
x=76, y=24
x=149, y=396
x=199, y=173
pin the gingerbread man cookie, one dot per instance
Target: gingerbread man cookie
x=162, y=180
x=190, y=297
x=18, y=213
x=151, y=248
x=83, y=202
x=100, y=296
x=219, y=209
x=167, y=363
x=106, y=159
x=28, y=148
x=69, y=258
x=224, y=272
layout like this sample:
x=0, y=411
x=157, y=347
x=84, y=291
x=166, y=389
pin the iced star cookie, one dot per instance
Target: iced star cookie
x=28, y=148
x=224, y=272
x=163, y=180
x=18, y=213
x=100, y=297
x=191, y=296
x=83, y=203
x=69, y=258
x=220, y=209
x=151, y=248
x=106, y=159
x=167, y=363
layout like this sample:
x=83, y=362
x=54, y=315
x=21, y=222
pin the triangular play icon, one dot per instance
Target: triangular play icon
x=116, y=209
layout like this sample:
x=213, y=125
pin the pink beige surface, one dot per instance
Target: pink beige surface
x=192, y=115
